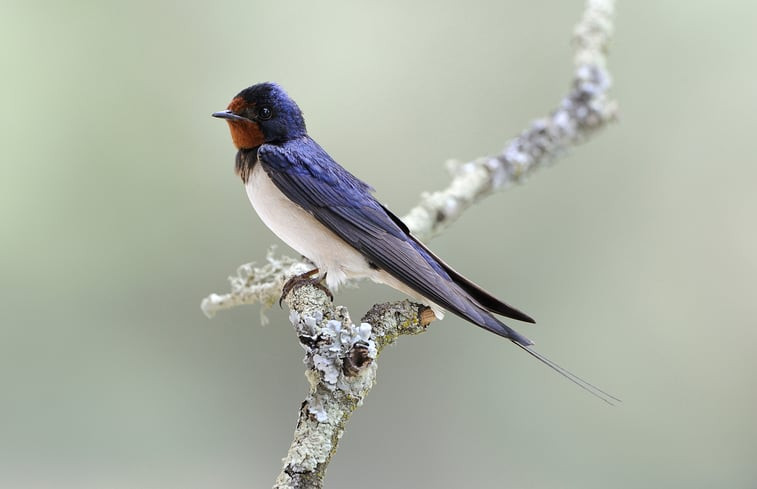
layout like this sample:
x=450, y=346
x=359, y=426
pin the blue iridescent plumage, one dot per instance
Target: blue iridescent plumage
x=316, y=193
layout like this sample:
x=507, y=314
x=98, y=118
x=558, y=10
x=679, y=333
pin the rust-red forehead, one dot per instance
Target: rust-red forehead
x=238, y=104
x=245, y=133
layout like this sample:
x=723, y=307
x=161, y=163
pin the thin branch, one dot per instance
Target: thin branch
x=340, y=359
x=340, y=356
x=584, y=110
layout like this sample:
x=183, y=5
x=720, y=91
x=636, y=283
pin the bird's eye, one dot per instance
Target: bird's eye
x=265, y=113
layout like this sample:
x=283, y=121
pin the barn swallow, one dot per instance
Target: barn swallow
x=331, y=217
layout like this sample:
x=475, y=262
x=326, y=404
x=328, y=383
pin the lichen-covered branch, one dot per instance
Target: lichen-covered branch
x=585, y=109
x=340, y=357
x=257, y=284
x=580, y=113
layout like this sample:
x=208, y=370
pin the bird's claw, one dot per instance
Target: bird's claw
x=308, y=278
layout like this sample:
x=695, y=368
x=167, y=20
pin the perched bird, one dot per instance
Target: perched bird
x=330, y=216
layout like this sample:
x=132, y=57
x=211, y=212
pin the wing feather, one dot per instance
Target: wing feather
x=308, y=176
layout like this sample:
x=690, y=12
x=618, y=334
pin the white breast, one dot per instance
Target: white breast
x=300, y=230
x=303, y=232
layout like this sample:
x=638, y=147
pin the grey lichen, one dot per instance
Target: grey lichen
x=253, y=284
x=340, y=357
x=331, y=346
x=585, y=109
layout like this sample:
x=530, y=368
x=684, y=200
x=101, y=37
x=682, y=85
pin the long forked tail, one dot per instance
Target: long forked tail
x=587, y=386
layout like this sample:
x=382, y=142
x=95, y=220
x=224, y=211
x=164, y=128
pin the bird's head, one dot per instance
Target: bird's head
x=263, y=113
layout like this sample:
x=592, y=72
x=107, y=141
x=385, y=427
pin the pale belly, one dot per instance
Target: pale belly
x=301, y=231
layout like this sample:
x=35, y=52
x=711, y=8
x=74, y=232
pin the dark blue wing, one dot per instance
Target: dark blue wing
x=308, y=176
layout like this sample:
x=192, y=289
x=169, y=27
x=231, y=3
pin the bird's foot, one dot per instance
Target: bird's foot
x=307, y=278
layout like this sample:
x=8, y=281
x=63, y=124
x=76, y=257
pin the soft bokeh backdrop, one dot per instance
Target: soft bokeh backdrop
x=637, y=252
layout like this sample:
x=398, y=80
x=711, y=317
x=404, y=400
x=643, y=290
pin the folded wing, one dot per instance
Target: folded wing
x=308, y=176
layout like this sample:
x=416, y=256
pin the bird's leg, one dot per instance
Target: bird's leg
x=308, y=278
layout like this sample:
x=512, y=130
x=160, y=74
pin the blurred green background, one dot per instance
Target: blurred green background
x=637, y=252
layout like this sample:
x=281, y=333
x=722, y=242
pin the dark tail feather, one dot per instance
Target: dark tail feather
x=485, y=299
x=494, y=325
x=479, y=295
x=480, y=317
x=587, y=386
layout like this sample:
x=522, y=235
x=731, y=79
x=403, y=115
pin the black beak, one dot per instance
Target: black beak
x=227, y=114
